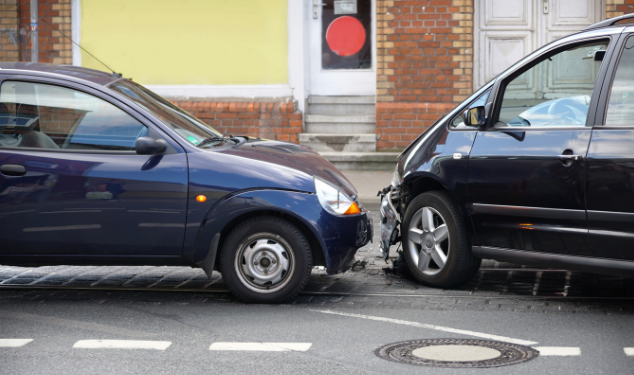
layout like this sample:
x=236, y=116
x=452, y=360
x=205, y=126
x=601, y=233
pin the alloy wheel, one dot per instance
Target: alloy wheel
x=428, y=241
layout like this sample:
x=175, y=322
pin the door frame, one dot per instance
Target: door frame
x=310, y=63
x=538, y=42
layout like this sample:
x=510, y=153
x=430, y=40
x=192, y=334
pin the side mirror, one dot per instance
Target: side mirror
x=599, y=55
x=596, y=55
x=474, y=116
x=149, y=146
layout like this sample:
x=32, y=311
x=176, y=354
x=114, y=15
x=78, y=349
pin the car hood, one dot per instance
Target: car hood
x=290, y=155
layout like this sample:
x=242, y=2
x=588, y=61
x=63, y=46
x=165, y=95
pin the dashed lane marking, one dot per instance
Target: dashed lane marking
x=629, y=351
x=14, y=343
x=122, y=344
x=431, y=326
x=561, y=351
x=262, y=346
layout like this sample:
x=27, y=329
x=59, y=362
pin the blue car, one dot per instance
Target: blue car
x=97, y=170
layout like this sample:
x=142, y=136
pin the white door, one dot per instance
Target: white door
x=507, y=30
x=342, y=47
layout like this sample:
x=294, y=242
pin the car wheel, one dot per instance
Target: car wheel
x=435, y=242
x=266, y=260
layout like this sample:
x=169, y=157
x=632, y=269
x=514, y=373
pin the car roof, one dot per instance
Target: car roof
x=610, y=22
x=68, y=71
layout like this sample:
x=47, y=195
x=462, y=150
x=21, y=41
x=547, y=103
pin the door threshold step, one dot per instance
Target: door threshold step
x=340, y=138
x=340, y=118
x=371, y=99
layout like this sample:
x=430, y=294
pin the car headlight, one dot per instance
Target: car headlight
x=334, y=200
x=396, y=178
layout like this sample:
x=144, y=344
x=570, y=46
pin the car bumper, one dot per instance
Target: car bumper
x=343, y=236
x=389, y=223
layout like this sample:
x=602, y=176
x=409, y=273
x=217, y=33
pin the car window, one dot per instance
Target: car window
x=621, y=103
x=554, y=92
x=53, y=117
x=186, y=125
x=458, y=122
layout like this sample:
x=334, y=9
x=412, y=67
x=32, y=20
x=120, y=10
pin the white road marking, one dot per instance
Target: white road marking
x=431, y=326
x=122, y=344
x=14, y=343
x=558, y=350
x=629, y=351
x=262, y=346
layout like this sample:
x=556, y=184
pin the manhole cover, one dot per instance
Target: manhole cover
x=456, y=353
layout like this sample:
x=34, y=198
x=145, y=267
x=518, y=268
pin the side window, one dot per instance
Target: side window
x=621, y=104
x=554, y=92
x=53, y=117
x=457, y=121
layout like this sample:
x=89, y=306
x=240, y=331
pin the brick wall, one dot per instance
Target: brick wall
x=614, y=8
x=402, y=123
x=270, y=120
x=425, y=65
x=9, y=39
x=53, y=47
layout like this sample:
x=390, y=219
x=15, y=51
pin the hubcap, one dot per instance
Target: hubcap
x=428, y=241
x=264, y=262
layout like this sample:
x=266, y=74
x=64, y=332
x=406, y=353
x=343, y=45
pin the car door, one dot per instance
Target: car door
x=71, y=183
x=610, y=163
x=526, y=170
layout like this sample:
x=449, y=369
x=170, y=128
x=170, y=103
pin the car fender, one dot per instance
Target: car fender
x=301, y=206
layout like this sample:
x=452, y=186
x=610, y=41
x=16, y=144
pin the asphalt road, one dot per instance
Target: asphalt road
x=338, y=343
x=155, y=320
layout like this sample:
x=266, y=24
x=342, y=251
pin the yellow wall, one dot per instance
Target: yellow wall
x=188, y=42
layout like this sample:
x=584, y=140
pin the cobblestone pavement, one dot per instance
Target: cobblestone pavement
x=498, y=286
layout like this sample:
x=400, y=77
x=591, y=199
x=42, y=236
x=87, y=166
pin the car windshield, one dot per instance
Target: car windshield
x=186, y=125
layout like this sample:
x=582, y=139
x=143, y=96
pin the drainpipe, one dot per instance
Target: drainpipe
x=34, y=49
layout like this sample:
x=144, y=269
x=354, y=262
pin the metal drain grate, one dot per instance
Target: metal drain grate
x=456, y=353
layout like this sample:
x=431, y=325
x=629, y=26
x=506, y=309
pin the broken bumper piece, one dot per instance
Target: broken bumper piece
x=389, y=222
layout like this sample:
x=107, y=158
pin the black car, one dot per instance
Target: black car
x=534, y=168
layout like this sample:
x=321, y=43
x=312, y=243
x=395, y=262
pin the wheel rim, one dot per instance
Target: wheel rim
x=428, y=238
x=264, y=262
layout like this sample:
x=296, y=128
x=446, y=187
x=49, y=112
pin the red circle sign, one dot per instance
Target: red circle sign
x=345, y=36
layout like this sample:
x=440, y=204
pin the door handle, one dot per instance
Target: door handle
x=316, y=5
x=569, y=157
x=13, y=170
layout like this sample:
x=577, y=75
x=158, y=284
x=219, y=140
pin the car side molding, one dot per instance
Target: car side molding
x=571, y=262
x=549, y=213
x=617, y=217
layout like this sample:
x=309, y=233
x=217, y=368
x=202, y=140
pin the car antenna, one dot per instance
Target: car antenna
x=77, y=44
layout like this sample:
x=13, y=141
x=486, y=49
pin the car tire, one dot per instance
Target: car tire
x=424, y=246
x=265, y=260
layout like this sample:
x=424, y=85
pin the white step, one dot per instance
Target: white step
x=375, y=161
x=342, y=99
x=342, y=105
x=339, y=142
x=349, y=124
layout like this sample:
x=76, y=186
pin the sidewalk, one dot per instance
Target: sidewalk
x=368, y=184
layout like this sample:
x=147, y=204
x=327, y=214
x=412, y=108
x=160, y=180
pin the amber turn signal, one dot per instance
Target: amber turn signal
x=353, y=209
x=201, y=198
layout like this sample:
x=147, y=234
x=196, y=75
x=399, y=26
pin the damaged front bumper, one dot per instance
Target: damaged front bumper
x=389, y=222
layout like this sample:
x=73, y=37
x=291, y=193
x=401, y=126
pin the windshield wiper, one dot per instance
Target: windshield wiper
x=221, y=139
x=209, y=140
